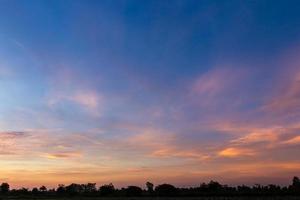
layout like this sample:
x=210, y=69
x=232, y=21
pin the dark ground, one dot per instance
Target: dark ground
x=153, y=198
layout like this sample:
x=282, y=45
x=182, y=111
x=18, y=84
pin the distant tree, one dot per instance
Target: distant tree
x=23, y=191
x=214, y=187
x=43, y=188
x=89, y=188
x=166, y=190
x=150, y=187
x=244, y=190
x=74, y=189
x=106, y=190
x=4, y=187
x=296, y=185
x=34, y=191
x=296, y=182
x=61, y=190
x=133, y=191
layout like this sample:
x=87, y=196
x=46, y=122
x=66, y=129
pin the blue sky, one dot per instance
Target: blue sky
x=153, y=88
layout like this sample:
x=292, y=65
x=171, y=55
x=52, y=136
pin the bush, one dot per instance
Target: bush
x=166, y=190
x=133, y=191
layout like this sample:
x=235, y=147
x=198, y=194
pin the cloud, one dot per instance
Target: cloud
x=168, y=145
x=282, y=101
x=218, y=87
x=88, y=99
x=9, y=142
x=173, y=152
x=163, y=144
x=257, y=135
x=68, y=88
x=214, y=82
x=12, y=134
x=34, y=142
x=62, y=155
x=294, y=140
x=287, y=99
x=236, y=152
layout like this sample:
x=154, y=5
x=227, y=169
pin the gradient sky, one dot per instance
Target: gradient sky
x=162, y=91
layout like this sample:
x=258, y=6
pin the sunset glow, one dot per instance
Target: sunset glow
x=163, y=91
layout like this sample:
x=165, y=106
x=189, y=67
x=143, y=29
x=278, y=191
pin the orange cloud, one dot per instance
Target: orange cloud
x=294, y=140
x=270, y=135
x=60, y=155
x=236, y=152
x=186, y=154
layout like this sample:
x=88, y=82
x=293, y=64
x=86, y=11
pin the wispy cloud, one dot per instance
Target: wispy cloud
x=236, y=152
x=294, y=140
x=12, y=134
x=66, y=87
x=9, y=142
x=63, y=155
x=88, y=99
x=286, y=101
x=218, y=87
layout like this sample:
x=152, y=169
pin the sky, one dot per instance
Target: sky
x=127, y=91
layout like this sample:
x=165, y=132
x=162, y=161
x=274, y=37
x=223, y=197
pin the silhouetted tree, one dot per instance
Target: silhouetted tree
x=212, y=188
x=34, y=191
x=296, y=182
x=296, y=185
x=74, y=189
x=165, y=190
x=89, y=188
x=23, y=191
x=61, y=190
x=244, y=190
x=150, y=187
x=43, y=188
x=4, y=187
x=106, y=190
x=133, y=191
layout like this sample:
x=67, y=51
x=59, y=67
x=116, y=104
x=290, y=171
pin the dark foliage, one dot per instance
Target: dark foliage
x=166, y=190
x=107, y=190
x=134, y=191
x=150, y=187
x=4, y=188
x=212, y=188
x=43, y=188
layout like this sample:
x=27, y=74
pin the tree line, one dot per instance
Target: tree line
x=212, y=188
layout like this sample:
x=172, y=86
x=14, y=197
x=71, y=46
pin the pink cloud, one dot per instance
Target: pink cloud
x=68, y=87
x=88, y=99
x=219, y=81
x=287, y=98
x=214, y=82
x=220, y=89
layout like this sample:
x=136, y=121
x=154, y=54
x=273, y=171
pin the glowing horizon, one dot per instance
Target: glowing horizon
x=134, y=91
